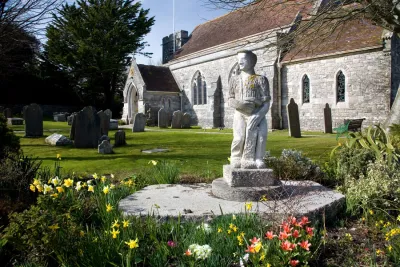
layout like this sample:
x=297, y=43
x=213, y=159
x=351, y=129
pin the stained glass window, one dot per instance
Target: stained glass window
x=306, y=89
x=340, y=87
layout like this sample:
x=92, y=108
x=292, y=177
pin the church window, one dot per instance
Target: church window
x=306, y=89
x=199, y=90
x=340, y=87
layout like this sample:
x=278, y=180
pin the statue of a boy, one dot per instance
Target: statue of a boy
x=249, y=95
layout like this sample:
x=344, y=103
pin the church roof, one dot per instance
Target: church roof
x=321, y=39
x=158, y=78
x=256, y=18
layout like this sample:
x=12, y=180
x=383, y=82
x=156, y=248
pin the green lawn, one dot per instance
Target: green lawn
x=199, y=152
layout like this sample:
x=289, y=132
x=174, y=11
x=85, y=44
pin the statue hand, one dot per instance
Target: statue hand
x=254, y=121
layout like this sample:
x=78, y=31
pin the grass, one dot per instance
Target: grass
x=200, y=152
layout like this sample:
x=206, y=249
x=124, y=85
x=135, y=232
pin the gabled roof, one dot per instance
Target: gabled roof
x=256, y=18
x=158, y=78
x=324, y=39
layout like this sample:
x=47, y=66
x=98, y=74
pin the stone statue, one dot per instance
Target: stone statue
x=249, y=96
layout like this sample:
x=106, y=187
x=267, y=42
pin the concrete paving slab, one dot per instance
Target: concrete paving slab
x=196, y=202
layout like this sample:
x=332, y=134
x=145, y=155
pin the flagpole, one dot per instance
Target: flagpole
x=173, y=26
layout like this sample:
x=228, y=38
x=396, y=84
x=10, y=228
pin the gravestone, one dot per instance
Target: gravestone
x=327, y=119
x=139, y=122
x=104, y=122
x=113, y=124
x=108, y=112
x=177, y=120
x=105, y=148
x=162, y=118
x=86, y=126
x=186, y=121
x=70, y=118
x=33, y=117
x=120, y=138
x=60, y=117
x=102, y=138
x=15, y=121
x=293, y=119
x=151, y=119
x=72, y=130
x=57, y=140
x=8, y=113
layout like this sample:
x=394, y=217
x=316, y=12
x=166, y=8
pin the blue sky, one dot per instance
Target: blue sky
x=188, y=14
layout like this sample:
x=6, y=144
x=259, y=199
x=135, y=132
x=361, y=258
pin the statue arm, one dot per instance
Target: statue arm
x=260, y=113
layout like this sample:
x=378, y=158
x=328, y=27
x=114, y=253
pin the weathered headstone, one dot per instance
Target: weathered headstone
x=15, y=121
x=327, y=119
x=120, y=138
x=8, y=113
x=186, y=121
x=104, y=137
x=162, y=118
x=177, y=120
x=105, y=147
x=60, y=117
x=72, y=130
x=113, y=124
x=33, y=117
x=57, y=140
x=151, y=119
x=104, y=122
x=86, y=124
x=109, y=113
x=139, y=122
x=293, y=119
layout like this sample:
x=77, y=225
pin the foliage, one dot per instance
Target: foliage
x=92, y=41
x=292, y=165
x=395, y=135
x=164, y=172
x=9, y=142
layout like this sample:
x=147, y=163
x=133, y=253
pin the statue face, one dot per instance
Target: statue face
x=245, y=62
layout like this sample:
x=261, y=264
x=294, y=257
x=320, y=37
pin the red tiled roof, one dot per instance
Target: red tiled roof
x=253, y=19
x=320, y=39
x=158, y=78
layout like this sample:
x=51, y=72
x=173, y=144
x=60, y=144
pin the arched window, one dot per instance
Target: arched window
x=340, y=87
x=306, y=89
x=199, y=90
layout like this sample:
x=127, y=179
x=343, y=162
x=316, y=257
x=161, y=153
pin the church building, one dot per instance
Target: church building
x=354, y=69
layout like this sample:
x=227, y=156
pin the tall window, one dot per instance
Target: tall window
x=306, y=89
x=340, y=87
x=199, y=90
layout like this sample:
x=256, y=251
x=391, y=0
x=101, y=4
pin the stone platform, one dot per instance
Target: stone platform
x=197, y=202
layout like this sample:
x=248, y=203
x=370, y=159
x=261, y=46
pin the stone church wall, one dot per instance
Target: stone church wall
x=395, y=53
x=216, y=72
x=367, y=88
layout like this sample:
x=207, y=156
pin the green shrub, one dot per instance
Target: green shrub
x=9, y=142
x=292, y=165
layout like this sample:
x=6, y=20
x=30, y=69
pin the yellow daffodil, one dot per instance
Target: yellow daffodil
x=67, y=215
x=55, y=195
x=47, y=189
x=91, y=188
x=263, y=257
x=106, y=189
x=112, y=186
x=36, y=182
x=263, y=198
x=233, y=217
x=133, y=243
x=54, y=227
x=239, y=238
x=219, y=230
x=55, y=181
x=82, y=233
x=95, y=176
x=257, y=247
x=114, y=233
x=231, y=225
x=68, y=182
x=268, y=265
x=39, y=187
x=390, y=248
x=249, y=205
x=125, y=223
x=60, y=189
x=129, y=183
x=115, y=224
x=58, y=156
x=229, y=231
x=235, y=228
x=109, y=207
x=229, y=159
x=84, y=185
x=32, y=187
x=242, y=234
x=78, y=186
x=103, y=178
x=371, y=212
x=153, y=162
x=378, y=252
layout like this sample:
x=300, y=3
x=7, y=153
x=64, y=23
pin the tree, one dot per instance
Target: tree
x=93, y=41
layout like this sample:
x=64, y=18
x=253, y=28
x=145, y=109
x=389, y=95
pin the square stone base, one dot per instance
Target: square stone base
x=249, y=177
x=15, y=121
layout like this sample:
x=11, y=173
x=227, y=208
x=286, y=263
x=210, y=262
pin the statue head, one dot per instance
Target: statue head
x=247, y=60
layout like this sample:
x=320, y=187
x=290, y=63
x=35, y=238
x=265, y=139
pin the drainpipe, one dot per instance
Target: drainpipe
x=279, y=67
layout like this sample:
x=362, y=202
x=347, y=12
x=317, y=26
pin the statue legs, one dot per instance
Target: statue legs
x=239, y=135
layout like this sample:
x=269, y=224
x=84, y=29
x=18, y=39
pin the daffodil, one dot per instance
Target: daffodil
x=36, y=182
x=91, y=188
x=390, y=248
x=68, y=182
x=54, y=227
x=78, y=186
x=109, y=207
x=114, y=233
x=58, y=156
x=125, y=223
x=249, y=205
x=39, y=187
x=82, y=233
x=133, y=243
x=103, y=178
x=233, y=217
x=106, y=189
x=55, y=181
x=112, y=186
x=47, y=189
x=263, y=198
x=55, y=195
x=60, y=189
x=95, y=176
x=32, y=187
x=115, y=224
x=219, y=230
x=153, y=162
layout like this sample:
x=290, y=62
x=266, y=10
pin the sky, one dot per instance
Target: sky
x=188, y=14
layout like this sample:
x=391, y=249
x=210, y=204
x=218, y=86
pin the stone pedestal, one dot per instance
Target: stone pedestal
x=247, y=184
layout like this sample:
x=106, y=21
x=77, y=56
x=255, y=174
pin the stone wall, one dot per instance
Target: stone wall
x=217, y=69
x=367, y=88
